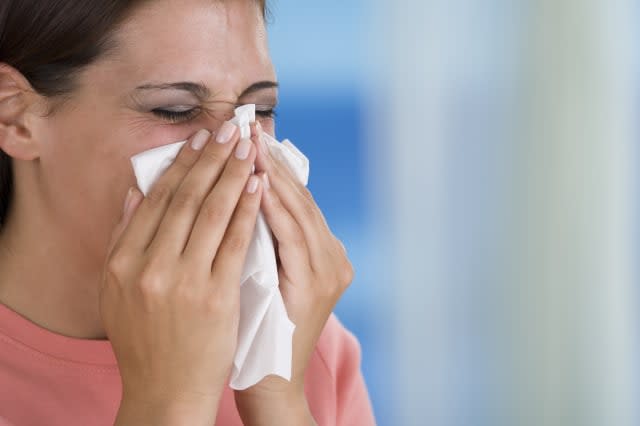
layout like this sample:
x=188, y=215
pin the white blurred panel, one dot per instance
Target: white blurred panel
x=572, y=248
x=505, y=176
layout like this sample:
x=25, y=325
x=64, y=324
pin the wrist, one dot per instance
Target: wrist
x=170, y=411
x=273, y=408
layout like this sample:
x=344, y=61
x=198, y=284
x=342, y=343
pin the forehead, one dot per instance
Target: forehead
x=221, y=43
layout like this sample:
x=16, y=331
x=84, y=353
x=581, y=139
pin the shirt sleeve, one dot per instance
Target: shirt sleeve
x=341, y=352
x=5, y=422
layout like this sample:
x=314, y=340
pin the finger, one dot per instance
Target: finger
x=133, y=199
x=176, y=225
x=292, y=245
x=231, y=255
x=218, y=207
x=145, y=221
x=294, y=197
x=265, y=157
x=255, y=129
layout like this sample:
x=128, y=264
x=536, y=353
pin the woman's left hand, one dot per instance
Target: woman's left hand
x=314, y=271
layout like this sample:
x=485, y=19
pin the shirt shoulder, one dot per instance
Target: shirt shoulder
x=338, y=354
x=338, y=348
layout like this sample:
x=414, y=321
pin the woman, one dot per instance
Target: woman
x=130, y=315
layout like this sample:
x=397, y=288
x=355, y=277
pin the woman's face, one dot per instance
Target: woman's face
x=181, y=65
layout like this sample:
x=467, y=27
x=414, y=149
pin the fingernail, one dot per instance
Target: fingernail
x=200, y=139
x=259, y=128
x=226, y=132
x=127, y=200
x=252, y=185
x=267, y=184
x=243, y=149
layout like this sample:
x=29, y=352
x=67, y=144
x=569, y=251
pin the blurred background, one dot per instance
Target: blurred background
x=479, y=161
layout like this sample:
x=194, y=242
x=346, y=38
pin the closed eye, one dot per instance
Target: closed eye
x=179, y=115
x=176, y=116
x=267, y=113
x=266, y=110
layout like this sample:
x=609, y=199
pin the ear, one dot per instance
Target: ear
x=17, y=102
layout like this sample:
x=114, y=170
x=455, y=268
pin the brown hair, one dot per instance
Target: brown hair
x=50, y=42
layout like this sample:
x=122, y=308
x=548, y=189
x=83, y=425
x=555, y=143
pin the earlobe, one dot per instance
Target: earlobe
x=15, y=97
x=17, y=144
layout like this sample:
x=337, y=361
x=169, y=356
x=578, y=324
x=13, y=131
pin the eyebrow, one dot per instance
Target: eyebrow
x=202, y=92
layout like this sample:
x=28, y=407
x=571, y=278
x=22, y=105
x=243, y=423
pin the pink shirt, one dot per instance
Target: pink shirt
x=54, y=380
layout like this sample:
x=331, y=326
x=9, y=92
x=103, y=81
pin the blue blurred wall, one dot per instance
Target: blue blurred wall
x=321, y=51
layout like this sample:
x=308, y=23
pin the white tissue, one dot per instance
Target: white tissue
x=265, y=333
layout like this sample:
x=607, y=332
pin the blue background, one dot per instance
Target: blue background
x=477, y=70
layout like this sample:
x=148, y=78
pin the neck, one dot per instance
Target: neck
x=47, y=278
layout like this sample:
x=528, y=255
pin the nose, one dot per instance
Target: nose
x=218, y=114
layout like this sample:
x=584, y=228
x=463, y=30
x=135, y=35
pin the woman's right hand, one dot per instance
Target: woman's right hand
x=170, y=295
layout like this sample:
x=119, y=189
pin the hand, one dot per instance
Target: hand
x=314, y=271
x=170, y=294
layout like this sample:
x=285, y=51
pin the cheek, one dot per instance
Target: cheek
x=88, y=171
x=146, y=134
x=84, y=184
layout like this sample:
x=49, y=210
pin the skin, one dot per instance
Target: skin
x=73, y=262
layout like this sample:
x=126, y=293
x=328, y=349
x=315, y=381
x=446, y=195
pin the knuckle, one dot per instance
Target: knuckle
x=214, y=212
x=238, y=171
x=346, y=274
x=117, y=265
x=151, y=284
x=306, y=193
x=329, y=290
x=183, y=162
x=236, y=242
x=186, y=199
x=187, y=293
x=337, y=245
x=296, y=239
x=309, y=209
x=247, y=207
x=159, y=194
x=213, y=155
x=182, y=275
